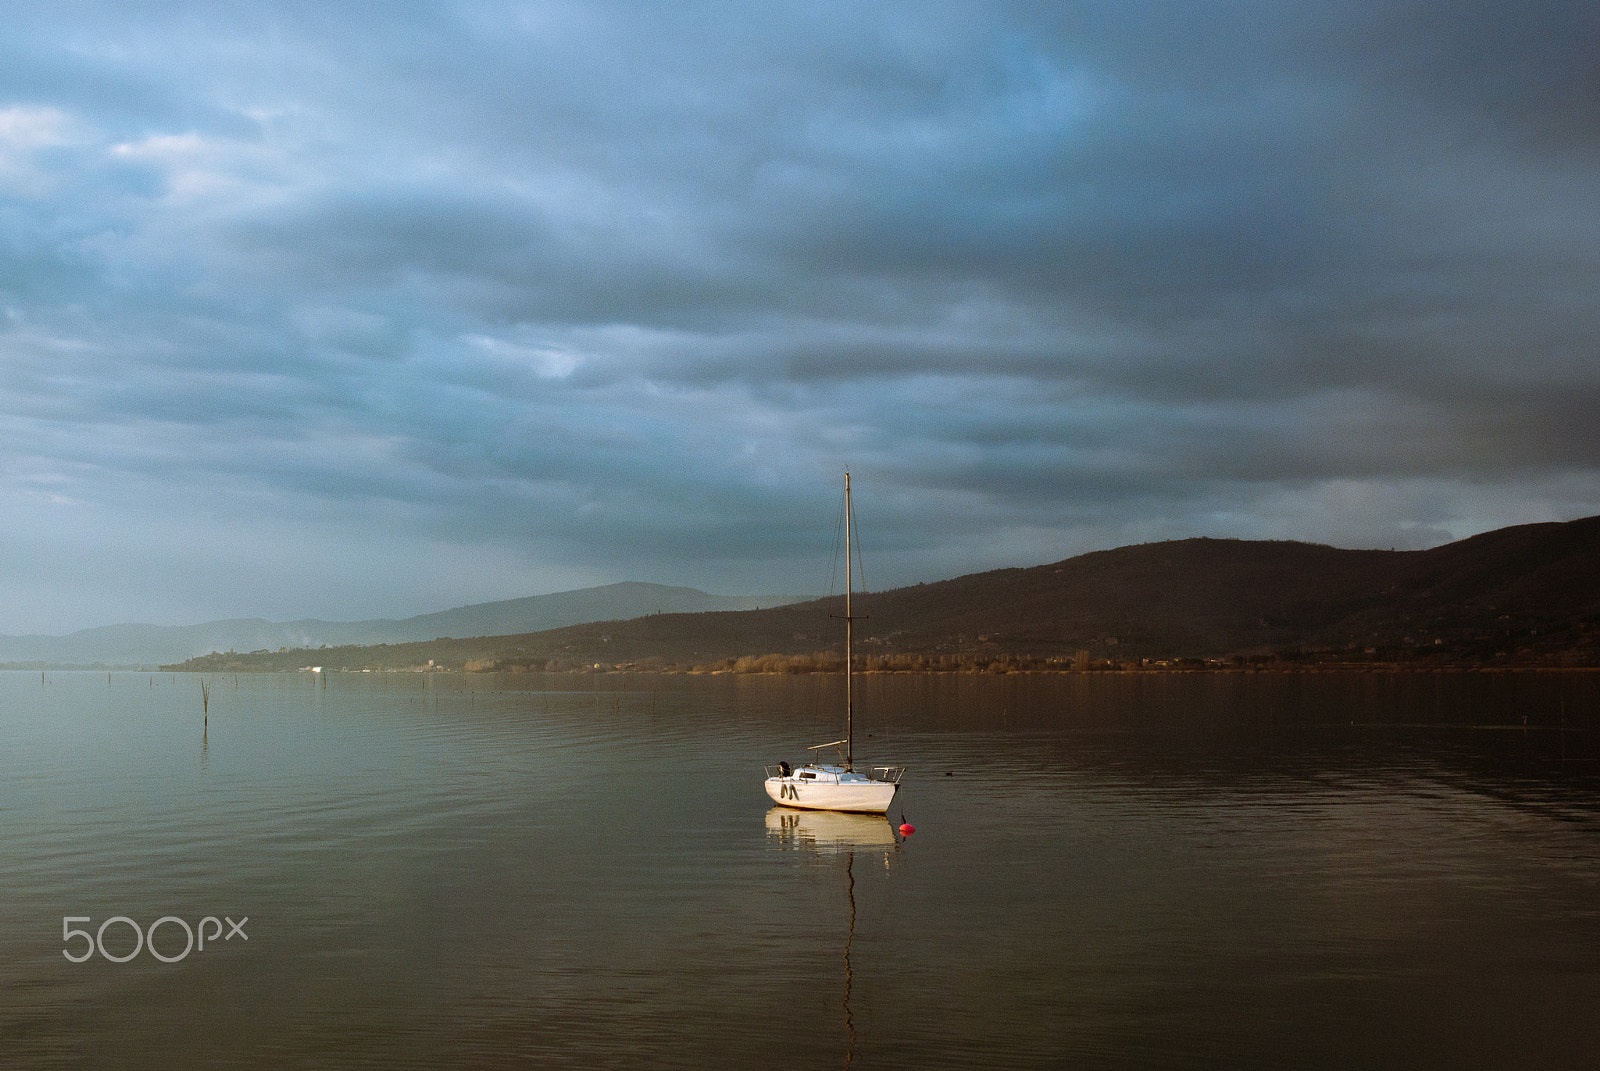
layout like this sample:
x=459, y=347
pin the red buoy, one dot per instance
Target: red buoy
x=906, y=829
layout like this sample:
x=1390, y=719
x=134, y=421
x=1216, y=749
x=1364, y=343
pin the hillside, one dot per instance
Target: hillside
x=1523, y=595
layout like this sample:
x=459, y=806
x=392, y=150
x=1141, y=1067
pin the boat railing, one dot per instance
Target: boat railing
x=888, y=774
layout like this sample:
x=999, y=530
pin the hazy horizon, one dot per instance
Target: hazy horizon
x=437, y=611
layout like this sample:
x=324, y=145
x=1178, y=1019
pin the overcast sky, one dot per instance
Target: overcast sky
x=350, y=310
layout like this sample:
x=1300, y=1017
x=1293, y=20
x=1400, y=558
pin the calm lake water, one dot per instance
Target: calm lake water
x=1144, y=872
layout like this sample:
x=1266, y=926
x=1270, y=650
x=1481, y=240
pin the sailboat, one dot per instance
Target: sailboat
x=822, y=786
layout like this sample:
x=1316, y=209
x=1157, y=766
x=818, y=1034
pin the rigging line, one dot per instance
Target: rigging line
x=855, y=529
x=838, y=538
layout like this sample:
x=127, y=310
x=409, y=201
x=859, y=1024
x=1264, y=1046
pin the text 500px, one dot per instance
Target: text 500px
x=146, y=938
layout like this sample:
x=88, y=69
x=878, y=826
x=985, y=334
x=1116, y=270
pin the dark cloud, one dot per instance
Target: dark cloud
x=315, y=309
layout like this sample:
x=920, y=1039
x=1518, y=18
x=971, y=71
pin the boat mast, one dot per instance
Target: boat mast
x=849, y=628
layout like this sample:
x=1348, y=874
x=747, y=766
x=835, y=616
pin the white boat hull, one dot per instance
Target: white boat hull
x=861, y=797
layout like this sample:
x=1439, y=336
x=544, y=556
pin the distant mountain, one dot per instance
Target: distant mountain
x=1523, y=595
x=152, y=644
x=1211, y=597
x=1533, y=589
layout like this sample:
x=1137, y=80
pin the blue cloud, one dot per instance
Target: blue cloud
x=325, y=310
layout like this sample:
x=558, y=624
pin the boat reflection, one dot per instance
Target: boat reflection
x=829, y=832
x=837, y=833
